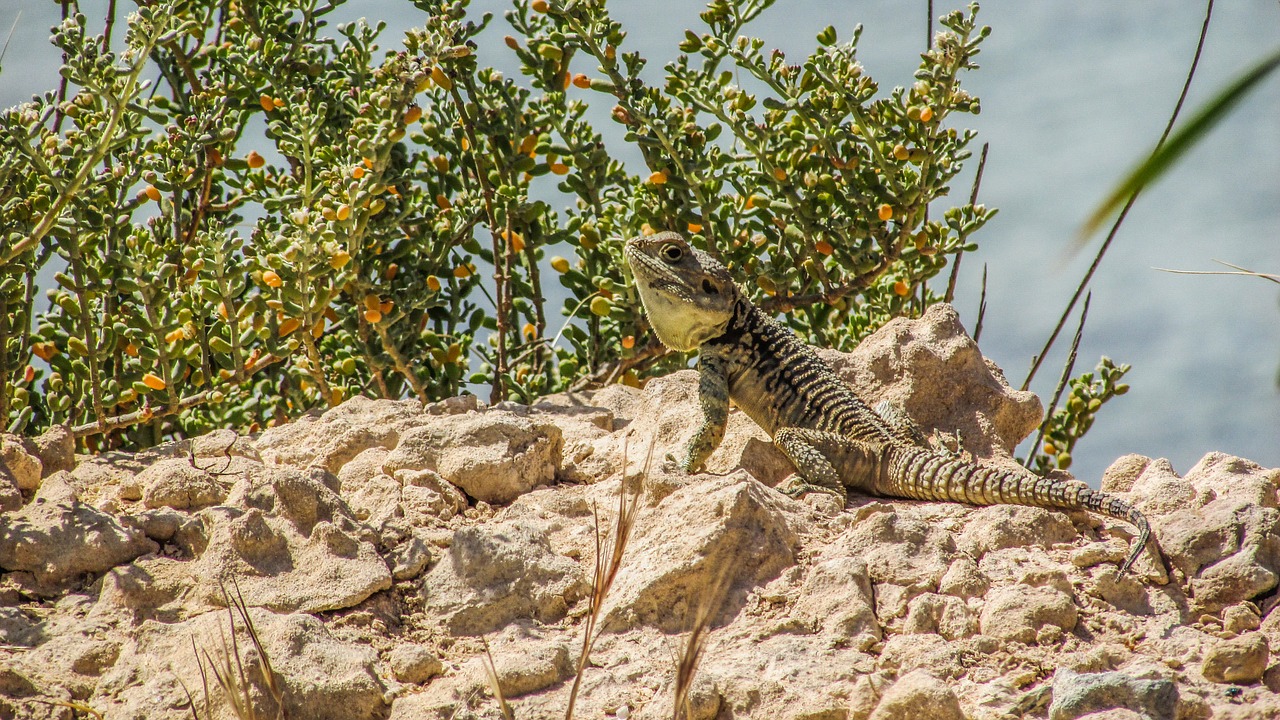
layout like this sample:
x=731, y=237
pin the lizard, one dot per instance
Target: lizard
x=831, y=436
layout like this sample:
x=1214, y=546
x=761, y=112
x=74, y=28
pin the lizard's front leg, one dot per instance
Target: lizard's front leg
x=713, y=396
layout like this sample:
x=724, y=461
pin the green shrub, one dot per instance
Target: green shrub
x=287, y=216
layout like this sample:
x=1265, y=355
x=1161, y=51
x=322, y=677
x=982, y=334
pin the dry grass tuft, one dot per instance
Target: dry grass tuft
x=228, y=667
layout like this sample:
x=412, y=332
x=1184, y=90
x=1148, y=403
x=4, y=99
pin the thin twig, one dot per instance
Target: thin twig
x=1241, y=271
x=982, y=306
x=1115, y=227
x=491, y=672
x=973, y=198
x=1062, y=382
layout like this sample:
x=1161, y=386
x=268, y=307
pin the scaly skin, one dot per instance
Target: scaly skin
x=831, y=436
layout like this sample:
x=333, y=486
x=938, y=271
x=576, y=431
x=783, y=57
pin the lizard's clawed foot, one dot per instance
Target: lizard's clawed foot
x=795, y=486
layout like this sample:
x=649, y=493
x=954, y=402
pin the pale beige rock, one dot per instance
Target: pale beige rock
x=493, y=574
x=916, y=695
x=1238, y=660
x=425, y=493
x=1077, y=695
x=1121, y=475
x=1019, y=612
x=899, y=549
x=1158, y=490
x=932, y=370
x=945, y=615
x=1240, y=618
x=332, y=438
x=20, y=465
x=180, y=485
x=1004, y=526
x=321, y=677
x=412, y=663
x=57, y=538
x=56, y=448
x=530, y=666
x=836, y=600
x=963, y=579
x=731, y=526
x=494, y=456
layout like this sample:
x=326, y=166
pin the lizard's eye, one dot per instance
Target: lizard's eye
x=672, y=253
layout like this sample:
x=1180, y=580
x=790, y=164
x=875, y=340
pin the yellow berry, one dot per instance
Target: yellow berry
x=601, y=306
x=901, y=152
x=559, y=264
x=463, y=271
x=441, y=79
x=540, y=6
x=344, y=212
x=339, y=260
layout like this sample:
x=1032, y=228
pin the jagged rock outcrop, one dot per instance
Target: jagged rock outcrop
x=382, y=546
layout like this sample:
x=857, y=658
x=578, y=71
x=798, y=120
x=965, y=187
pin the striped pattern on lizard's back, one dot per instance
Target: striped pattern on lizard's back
x=831, y=436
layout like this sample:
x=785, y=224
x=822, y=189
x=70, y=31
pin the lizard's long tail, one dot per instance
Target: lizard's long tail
x=924, y=474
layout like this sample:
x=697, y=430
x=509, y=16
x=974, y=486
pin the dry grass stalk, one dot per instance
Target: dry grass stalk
x=607, y=563
x=228, y=667
x=687, y=664
x=492, y=673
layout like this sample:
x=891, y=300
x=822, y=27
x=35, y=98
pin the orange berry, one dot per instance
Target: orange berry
x=317, y=330
x=390, y=272
x=433, y=283
x=272, y=279
x=901, y=152
x=529, y=330
x=288, y=326
x=629, y=342
x=529, y=145
x=44, y=351
x=153, y=193
x=926, y=114
x=540, y=6
x=779, y=174
x=174, y=336
x=559, y=168
x=153, y=381
x=371, y=302
x=581, y=80
x=267, y=102
x=344, y=212
x=658, y=178
x=385, y=306
x=511, y=42
x=885, y=212
x=824, y=247
x=277, y=102
x=463, y=271
x=339, y=260
x=443, y=203
x=357, y=172
x=131, y=350
x=255, y=160
x=695, y=227
x=514, y=239
x=373, y=316
x=412, y=114
x=901, y=289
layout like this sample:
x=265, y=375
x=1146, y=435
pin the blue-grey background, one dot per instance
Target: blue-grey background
x=1073, y=93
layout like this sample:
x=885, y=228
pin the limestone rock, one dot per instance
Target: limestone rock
x=321, y=677
x=945, y=615
x=732, y=525
x=1239, y=660
x=900, y=550
x=57, y=538
x=56, y=449
x=997, y=527
x=1019, y=612
x=918, y=694
x=179, y=484
x=529, y=667
x=931, y=369
x=332, y=438
x=1079, y=694
x=413, y=663
x=494, y=456
x=496, y=573
x=836, y=598
x=20, y=465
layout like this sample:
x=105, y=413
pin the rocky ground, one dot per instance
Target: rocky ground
x=379, y=546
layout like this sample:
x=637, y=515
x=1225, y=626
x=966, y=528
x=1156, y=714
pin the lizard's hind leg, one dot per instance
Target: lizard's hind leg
x=825, y=461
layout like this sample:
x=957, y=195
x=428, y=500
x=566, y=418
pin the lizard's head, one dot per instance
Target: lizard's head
x=688, y=296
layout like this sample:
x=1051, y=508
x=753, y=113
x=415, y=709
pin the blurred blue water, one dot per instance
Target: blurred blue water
x=1073, y=93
